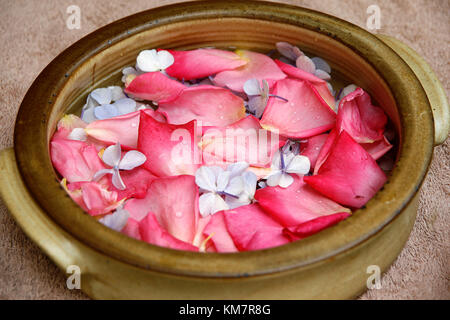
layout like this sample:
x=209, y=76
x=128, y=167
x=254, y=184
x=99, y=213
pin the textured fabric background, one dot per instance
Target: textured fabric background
x=33, y=32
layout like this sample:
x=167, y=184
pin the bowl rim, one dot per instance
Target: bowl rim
x=415, y=151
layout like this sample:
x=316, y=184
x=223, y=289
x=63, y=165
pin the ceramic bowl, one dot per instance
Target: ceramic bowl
x=331, y=264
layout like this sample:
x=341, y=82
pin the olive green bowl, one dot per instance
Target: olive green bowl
x=331, y=264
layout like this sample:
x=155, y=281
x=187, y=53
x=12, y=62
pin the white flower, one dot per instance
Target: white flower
x=316, y=66
x=112, y=157
x=99, y=104
x=258, y=96
x=116, y=220
x=237, y=186
x=152, y=60
x=284, y=163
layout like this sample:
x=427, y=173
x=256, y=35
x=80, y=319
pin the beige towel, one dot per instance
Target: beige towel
x=33, y=32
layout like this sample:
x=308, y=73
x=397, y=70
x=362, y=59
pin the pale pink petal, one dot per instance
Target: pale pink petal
x=217, y=230
x=95, y=198
x=212, y=105
x=259, y=66
x=320, y=86
x=378, y=148
x=152, y=232
x=75, y=160
x=303, y=116
x=131, y=229
x=244, y=140
x=121, y=129
x=67, y=124
x=174, y=201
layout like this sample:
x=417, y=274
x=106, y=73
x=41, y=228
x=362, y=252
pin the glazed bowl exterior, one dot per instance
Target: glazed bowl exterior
x=331, y=264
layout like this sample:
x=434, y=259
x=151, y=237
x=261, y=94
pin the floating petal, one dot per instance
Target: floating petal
x=259, y=66
x=311, y=227
x=303, y=116
x=174, y=201
x=154, y=86
x=213, y=106
x=252, y=229
x=201, y=63
x=358, y=117
x=296, y=204
x=217, y=229
x=320, y=86
x=152, y=232
x=349, y=175
x=170, y=149
x=75, y=160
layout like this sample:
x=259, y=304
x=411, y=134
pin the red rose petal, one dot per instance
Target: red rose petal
x=200, y=63
x=349, y=175
x=311, y=227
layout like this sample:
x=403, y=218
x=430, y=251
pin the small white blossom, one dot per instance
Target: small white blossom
x=112, y=156
x=224, y=189
x=316, y=66
x=116, y=220
x=285, y=163
x=258, y=96
x=152, y=60
x=104, y=103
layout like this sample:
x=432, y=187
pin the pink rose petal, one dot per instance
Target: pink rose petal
x=75, y=160
x=349, y=175
x=131, y=229
x=359, y=118
x=200, y=63
x=93, y=197
x=259, y=66
x=174, y=201
x=122, y=129
x=152, y=232
x=303, y=116
x=244, y=140
x=170, y=149
x=154, y=86
x=217, y=229
x=311, y=227
x=296, y=204
x=318, y=84
x=252, y=229
x=213, y=106
x=312, y=146
x=378, y=148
